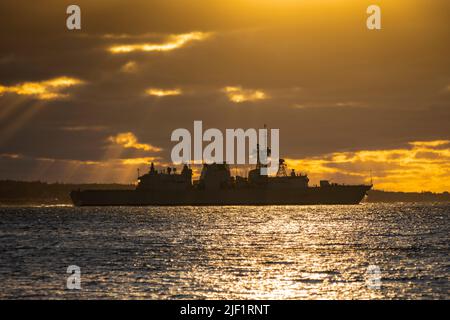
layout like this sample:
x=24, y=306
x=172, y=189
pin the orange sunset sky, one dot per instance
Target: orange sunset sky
x=96, y=104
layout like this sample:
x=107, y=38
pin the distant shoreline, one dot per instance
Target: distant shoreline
x=41, y=193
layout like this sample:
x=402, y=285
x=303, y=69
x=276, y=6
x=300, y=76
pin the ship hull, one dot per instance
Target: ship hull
x=337, y=194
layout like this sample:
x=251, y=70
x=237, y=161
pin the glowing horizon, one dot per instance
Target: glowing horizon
x=422, y=167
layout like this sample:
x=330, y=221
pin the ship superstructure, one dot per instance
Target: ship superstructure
x=216, y=186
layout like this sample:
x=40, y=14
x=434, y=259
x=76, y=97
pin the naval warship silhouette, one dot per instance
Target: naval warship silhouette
x=216, y=186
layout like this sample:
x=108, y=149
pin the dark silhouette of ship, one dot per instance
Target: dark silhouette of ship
x=216, y=186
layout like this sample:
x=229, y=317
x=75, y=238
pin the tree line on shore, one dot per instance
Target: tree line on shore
x=36, y=192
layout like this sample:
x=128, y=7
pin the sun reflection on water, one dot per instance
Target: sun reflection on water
x=279, y=252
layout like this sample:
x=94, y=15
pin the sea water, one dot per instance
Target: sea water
x=232, y=252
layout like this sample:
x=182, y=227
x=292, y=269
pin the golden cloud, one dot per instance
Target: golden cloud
x=435, y=143
x=11, y=155
x=138, y=161
x=424, y=166
x=173, y=42
x=129, y=140
x=129, y=67
x=238, y=94
x=44, y=90
x=163, y=92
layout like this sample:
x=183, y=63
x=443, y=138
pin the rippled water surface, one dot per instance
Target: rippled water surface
x=279, y=252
